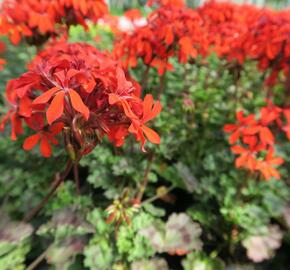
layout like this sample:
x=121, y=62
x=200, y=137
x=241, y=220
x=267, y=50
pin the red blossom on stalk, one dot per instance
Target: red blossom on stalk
x=76, y=89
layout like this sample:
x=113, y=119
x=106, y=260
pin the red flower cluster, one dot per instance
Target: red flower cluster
x=238, y=32
x=254, y=140
x=171, y=30
x=77, y=90
x=235, y=32
x=37, y=20
x=268, y=42
x=227, y=26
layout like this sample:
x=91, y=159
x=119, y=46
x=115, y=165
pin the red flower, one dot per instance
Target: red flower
x=45, y=138
x=266, y=166
x=61, y=95
x=245, y=126
x=248, y=156
x=19, y=108
x=150, y=111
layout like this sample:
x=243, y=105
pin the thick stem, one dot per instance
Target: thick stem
x=59, y=179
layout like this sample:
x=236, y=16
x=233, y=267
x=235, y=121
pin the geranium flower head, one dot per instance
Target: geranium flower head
x=76, y=90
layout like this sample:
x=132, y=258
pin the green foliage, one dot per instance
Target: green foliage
x=198, y=260
x=98, y=254
x=153, y=264
x=130, y=243
x=14, y=244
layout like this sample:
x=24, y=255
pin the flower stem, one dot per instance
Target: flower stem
x=59, y=179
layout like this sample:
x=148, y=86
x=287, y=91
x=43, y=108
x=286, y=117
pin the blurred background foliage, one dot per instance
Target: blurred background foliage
x=127, y=4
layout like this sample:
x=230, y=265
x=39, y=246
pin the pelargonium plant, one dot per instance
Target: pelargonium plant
x=77, y=92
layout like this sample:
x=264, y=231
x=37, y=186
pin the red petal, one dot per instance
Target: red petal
x=46, y=96
x=169, y=37
x=274, y=172
x=186, y=45
x=266, y=136
x=25, y=107
x=287, y=115
x=16, y=126
x=78, y=104
x=240, y=161
x=288, y=135
x=127, y=110
x=237, y=149
x=45, y=147
x=151, y=135
x=250, y=140
x=147, y=104
x=251, y=130
x=229, y=128
x=276, y=160
x=56, y=128
x=55, y=109
x=31, y=141
x=149, y=112
x=113, y=98
x=234, y=137
x=71, y=73
x=240, y=116
x=123, y=84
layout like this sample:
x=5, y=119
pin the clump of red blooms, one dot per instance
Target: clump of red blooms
x=234, y=32
x=171, y=30
x=76, y=90
x=37, y=20
x=253, y=139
